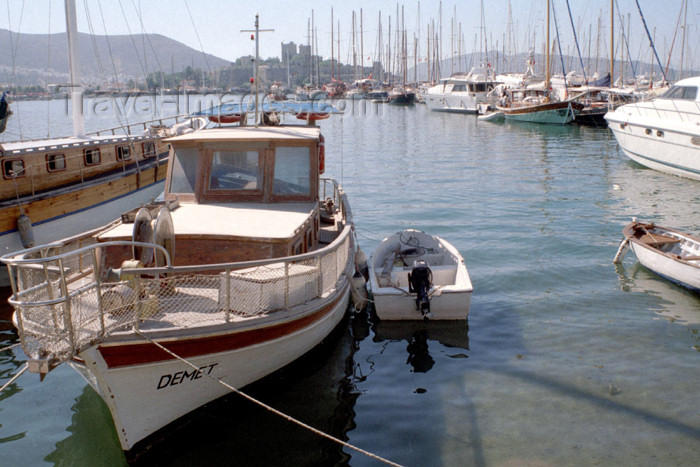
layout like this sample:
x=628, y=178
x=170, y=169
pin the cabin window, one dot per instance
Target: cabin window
x=13, y=168
x=688, y=93
x=478, y=87
x=292, y=171
x=235, y=170
x=184, y=172
x=92, y=156
x=55, y=162
x=123, y=153
x=459, y=88
x=149, y=149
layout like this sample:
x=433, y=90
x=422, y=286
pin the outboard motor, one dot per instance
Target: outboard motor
x=420, y=280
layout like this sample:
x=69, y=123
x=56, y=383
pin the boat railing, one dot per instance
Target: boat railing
x=143, y=126
x=66, y=299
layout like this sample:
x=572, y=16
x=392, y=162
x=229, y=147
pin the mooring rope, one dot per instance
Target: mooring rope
x=12, y=380
x=269, y=408
x=9, y=347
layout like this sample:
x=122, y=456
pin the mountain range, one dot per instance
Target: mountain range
x=41, y=59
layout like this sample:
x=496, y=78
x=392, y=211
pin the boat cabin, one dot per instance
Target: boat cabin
x=241, y=194
x=686, y=89
x=33, y=167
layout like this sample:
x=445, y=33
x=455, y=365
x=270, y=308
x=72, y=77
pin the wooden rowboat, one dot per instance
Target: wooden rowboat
x=669, y=253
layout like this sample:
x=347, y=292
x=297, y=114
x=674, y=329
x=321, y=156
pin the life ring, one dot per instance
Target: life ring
x=321, y=154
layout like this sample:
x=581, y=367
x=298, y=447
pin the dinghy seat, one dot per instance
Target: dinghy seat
x=657, y=239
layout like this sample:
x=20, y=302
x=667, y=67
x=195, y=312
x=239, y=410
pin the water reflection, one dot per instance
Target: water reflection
x=675, y=303
x=417, y=334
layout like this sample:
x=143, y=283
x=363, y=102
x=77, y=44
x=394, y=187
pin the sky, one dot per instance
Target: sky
x=214, y=26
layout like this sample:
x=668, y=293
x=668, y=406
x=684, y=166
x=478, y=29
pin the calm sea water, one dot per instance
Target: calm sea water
x=566, y=359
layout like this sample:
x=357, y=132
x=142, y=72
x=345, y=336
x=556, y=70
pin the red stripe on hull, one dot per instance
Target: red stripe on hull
x=116, y=356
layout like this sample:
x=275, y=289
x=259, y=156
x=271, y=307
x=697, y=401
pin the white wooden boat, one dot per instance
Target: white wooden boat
x=667, y=252
x=260, y=276
x=662, y=134
x=415, y=275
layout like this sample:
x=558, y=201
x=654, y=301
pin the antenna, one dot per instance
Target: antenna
x=256, y=32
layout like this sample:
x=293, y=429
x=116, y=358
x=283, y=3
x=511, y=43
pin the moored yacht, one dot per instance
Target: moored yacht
x=663, y=133
x=461, y=93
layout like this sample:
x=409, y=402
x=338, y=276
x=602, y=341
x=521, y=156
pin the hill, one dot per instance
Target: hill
x=133, y=57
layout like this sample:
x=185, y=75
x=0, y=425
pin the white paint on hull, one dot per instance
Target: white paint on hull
x=139, y=408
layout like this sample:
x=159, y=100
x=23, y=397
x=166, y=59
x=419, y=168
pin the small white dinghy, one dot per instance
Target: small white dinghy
x=415, y=275
x=667, y=252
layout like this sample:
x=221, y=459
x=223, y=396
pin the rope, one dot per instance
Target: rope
x=12, y=380
x=269, y=408
x=9, y=347
x=375, y=235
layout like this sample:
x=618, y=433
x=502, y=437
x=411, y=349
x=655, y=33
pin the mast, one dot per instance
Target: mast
x=354, y=53
x=546, y=72
x=76, y=87
x=362, y=48
x=332, y=65
x=255, y=37
x=685, y=24
x=612, y=40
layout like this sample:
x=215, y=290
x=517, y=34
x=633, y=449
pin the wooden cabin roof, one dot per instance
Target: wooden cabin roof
x=253, y=220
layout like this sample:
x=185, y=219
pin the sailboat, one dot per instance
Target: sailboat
x=536, y=105
x=53, y=188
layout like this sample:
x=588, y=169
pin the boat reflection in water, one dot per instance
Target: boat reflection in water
x=675, y=303
x=418, y=334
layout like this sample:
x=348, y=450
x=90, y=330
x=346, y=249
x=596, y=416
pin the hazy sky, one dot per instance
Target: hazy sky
x=214, y=25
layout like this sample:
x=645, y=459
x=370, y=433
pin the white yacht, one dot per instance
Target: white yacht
x=664, y=133
x=461, y=93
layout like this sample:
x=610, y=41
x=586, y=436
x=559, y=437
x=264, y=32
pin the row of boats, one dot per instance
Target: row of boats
x=227, y=256
x=245, y=262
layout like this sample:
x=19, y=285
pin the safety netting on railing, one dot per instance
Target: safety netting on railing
x=63, y=305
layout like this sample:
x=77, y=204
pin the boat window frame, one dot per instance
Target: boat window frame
x=149, y=154
x=119, y=152
x=313, y=171
x=206, y=194
x=8, y=176
x=49, y=162
x=99, y=156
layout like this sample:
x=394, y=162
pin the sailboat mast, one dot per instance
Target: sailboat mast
x=612, y=39
x=332, y=66
x=546, y=72
x=362, y=49
x=76, y=87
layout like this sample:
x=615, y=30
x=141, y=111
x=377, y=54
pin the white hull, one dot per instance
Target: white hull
x=665, y=251
x=676, y=150
x=662, y=134
x=449, y=294
x=462, y=102
x=680, y=272
x=392, y=304
x=144, y=398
